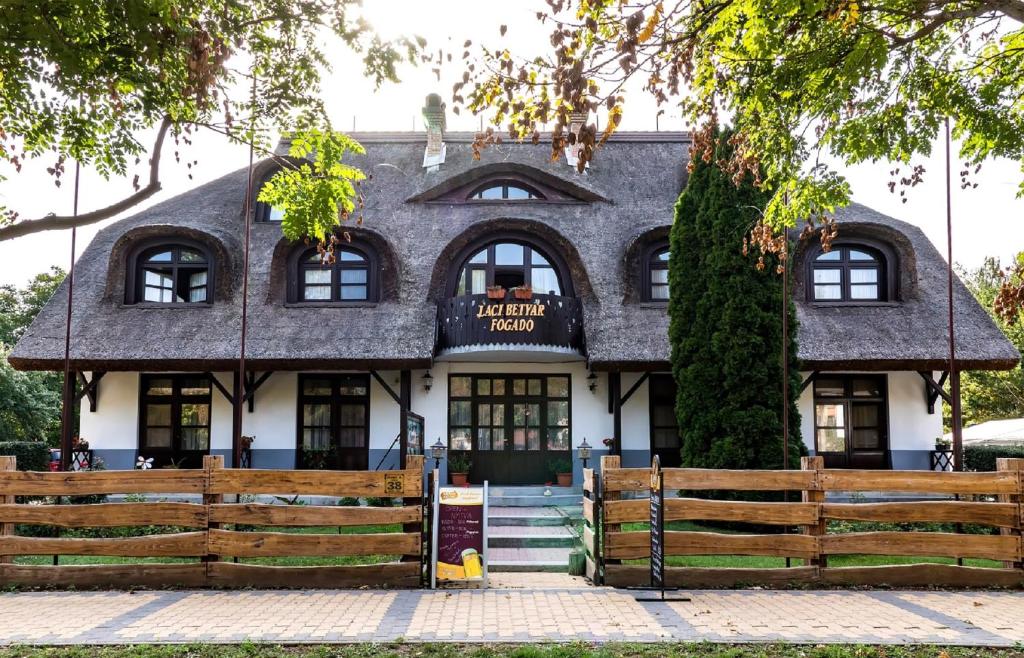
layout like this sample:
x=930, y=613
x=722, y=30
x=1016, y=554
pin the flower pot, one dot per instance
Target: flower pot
x=459, y=479
x=522, y=293
x=495, y=292
x=565, y=479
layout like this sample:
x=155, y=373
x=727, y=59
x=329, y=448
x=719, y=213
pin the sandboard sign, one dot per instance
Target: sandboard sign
x=657, y=522
x=459, y=550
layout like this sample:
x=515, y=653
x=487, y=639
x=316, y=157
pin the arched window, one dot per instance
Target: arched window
x=509, y=264
x=264, y=211
x=656, y=273
x=172, y=274
x=350, y=278
x=504, y=190
x=849, y=273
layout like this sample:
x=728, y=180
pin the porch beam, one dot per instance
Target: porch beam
x=632, y=389
x=90, y=388
x=390, y=391
x=252, y=384
x=807, y=382
x=220, y=387
x=615, y=395
x=933, y=390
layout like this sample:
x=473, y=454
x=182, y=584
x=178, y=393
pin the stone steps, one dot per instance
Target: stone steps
x=529, y=531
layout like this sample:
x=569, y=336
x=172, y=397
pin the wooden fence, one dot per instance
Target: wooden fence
x=209, y=536
x=994, y=501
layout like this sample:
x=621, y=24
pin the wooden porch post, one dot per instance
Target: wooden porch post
x=405, y=404
x=7, y=529
x=615, y=400
x=237, y=394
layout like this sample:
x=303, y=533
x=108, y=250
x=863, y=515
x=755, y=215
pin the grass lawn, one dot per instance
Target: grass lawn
x=743, y=561
x=272, y=561
x=577, y=650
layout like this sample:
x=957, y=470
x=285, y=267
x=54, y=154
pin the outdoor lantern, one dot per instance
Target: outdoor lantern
x=584, y=452
x=437, y=452
x=592, y=382
x=428, y=383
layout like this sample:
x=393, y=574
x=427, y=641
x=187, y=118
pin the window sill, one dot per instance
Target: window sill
x=174, y=305
x=331, y=304
x=866, y=304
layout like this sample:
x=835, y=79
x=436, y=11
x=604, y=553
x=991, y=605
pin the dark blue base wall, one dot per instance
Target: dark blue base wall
x=119, y=460
x=909, y=460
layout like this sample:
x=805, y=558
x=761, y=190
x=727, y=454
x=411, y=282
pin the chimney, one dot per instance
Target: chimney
x=433, y=118
x=577, y=120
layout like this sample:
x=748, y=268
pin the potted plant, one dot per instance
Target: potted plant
x=495, y=292
x=522, y=292
x=609, y=443
x=943, y=444
x=458, y=469
x=561, y=469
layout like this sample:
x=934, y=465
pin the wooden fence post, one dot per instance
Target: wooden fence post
x=608, y=462
x=1013, y=464
x=818, y=497
x=7, y=529
x=210, y=464
x=415, y=463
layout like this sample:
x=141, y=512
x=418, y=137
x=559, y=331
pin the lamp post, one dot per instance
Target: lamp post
x=584, y=452
x=437, y=452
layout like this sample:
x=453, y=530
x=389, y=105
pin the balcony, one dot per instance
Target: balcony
x=474, y=324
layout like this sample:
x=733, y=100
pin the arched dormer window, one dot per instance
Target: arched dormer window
x=264, y=211
x=850, y=272
x=504, y=190
x=171, y=273
x=656, y=273
x=510, y=263
x=351, y=278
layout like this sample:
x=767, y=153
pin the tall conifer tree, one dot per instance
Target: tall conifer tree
x=726, y=328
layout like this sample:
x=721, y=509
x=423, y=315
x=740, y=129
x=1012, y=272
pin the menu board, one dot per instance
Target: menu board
x=460, y=534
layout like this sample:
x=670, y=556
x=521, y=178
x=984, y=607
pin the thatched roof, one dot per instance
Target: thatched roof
x=627, y=198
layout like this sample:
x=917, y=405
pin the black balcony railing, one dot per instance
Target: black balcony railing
x=543, y=320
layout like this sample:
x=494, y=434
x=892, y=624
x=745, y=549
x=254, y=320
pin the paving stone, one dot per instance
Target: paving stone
x=526, y=607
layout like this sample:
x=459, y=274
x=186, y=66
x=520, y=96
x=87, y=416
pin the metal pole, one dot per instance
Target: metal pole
x=68, y=392
x=954, y=375
x=236, y=442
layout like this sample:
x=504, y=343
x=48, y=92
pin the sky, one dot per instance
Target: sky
x=988, y=220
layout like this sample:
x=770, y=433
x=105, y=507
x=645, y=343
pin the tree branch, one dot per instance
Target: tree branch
x=57, y=222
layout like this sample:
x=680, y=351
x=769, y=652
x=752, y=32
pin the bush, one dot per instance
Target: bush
x=31, y=455
x=983, y=458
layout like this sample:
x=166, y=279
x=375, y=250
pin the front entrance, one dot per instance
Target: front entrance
x=515, y=429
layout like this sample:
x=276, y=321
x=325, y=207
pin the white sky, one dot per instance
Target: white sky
x=988, y=220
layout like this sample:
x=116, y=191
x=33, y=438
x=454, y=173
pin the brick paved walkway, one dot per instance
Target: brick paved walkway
x=536, y=609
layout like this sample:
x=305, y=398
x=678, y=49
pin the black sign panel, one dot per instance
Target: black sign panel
x=657, y=526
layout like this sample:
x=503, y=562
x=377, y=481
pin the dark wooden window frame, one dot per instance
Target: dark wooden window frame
x=461, y=261
x=650, y=264
x=335, y=400
x=505, y=184
x=176, y=399
x=296, y=276
x=885, y=262
x=847, y=400
x=474, y=399
x=137, y=259
x=262, y=213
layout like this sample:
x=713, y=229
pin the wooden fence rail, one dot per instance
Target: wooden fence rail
x=206, y=539
x=994, y=501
